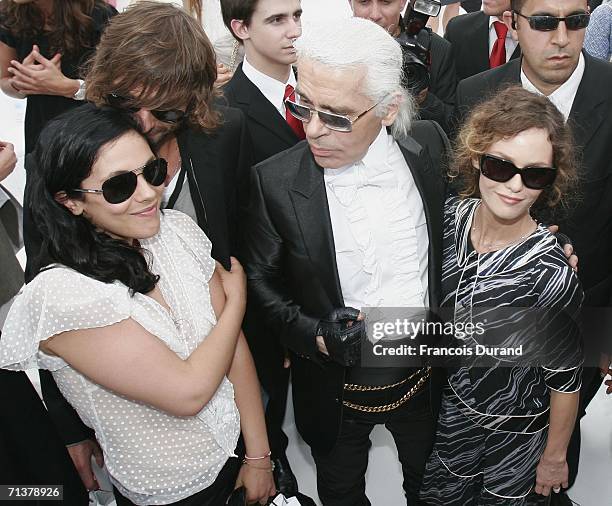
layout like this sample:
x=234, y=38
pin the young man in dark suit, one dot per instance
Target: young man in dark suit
x=315, y=210
x=553, y=64
x=481, y=40
x=163, y=79
x=259, y=87
x=437, y=102
x=265, y=78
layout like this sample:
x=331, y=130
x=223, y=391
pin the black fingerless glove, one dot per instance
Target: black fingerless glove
x=342, y=333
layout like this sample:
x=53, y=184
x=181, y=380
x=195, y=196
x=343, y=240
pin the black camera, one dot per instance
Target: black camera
x=417, y=57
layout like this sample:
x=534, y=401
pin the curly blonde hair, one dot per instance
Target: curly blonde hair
x=161, y=51
x=507, y=114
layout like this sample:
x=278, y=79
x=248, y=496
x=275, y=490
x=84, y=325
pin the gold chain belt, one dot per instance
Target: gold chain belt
x=393, y=405
x=366, y=388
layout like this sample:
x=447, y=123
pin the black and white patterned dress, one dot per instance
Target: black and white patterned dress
x=493, y=420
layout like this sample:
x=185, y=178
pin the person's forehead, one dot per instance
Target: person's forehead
x=267, y=8
x=557, y=7
x=331, y=88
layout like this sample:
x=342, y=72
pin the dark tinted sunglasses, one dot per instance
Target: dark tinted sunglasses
x=121, y=187
x=550, y=23
x=500, y=170
x=126, y=104
x=338, y=122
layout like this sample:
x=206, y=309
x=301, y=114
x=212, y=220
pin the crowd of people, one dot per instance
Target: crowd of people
x=217, y=203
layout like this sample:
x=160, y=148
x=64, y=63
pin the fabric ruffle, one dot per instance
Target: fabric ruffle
x=399, y=273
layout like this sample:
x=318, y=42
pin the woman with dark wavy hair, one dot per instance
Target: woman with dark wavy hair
x=139, y=328
x=43, y=44
x=510, y=404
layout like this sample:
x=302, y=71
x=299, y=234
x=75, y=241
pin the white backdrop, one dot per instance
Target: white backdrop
x=593, y=487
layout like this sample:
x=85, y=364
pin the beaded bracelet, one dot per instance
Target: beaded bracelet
x=246, y=457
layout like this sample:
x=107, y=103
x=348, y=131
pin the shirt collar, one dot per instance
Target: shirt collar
x=493, y=19
x=563, y=97
x=272, y=89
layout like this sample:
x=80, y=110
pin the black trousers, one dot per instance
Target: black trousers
x=31, y=451
x=213, y=495
x=341, y=473
x=268, y=355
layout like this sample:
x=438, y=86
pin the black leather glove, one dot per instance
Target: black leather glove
x=342, y=333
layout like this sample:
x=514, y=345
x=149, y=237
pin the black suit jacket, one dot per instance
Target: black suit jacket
x=269, y=131
x=292, y=272
x=217, y=166
x=589, y=224
x=439, y=103
x=469, y=37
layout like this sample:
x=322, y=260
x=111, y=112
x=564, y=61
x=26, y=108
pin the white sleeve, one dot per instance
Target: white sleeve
x=56, y=301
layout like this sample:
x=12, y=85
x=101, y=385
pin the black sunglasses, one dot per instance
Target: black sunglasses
x=126, y=104
x=500, y=170
x=550, y=23
x=121, y=187
x=338, y=122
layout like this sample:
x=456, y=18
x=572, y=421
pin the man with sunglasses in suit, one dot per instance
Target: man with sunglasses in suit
x=163, y=80
x=349, y=219
x=551, y=35
x=481, y=39
x=267, y=29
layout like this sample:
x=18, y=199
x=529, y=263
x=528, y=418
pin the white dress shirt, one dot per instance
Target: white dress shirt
x=510, y=42
x=380, y=230
x=272, y=89
x=563, y=97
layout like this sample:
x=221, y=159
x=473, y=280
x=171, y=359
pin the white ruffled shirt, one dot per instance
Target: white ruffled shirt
x=380, y=230
x=153, y=457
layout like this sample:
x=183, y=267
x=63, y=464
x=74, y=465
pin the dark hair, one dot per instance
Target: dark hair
x=72, y=27
x=162, y=51
x=64, y=156
x=237, y=9
x=504, y=116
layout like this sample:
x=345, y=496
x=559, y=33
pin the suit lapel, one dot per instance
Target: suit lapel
x=312, y=211
x=418, y=161
x=480, y=39
x=205, y=182
x=260, y=110
x=587, y=114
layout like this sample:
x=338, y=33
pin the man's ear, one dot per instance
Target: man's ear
x=392, y=110
x=510, y=21
x=73, y=205
x=240, y=29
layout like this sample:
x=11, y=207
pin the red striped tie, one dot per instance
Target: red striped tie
x=294, y=123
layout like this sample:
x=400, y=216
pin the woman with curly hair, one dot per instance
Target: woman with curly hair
x=510, y=403
x=43, y=44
